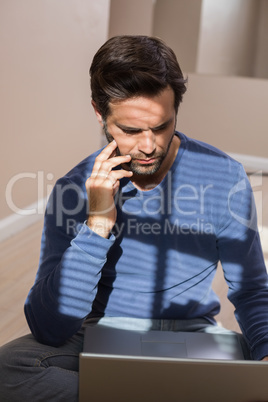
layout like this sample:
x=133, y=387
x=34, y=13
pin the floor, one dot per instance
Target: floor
x=19, y=257
x=18, y=265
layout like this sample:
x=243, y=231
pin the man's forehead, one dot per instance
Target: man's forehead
x=159, y=108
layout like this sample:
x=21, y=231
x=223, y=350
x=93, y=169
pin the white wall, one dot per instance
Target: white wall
x=261, y=56
x=46, y=123
x=228, y=112
x=178, y=23
x=131, y=17
x=227, y=40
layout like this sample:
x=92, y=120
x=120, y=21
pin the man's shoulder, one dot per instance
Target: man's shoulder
x=207, y=154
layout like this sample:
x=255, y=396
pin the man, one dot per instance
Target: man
x=133, y=234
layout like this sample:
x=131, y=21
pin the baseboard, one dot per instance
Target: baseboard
x=14, y=223
x=252, y=163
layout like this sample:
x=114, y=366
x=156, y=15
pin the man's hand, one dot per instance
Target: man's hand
x=265, y=359
x=101, y=188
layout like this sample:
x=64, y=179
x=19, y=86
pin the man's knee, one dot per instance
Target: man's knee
x=8, y=357
x=8, y=369
x=28, y=374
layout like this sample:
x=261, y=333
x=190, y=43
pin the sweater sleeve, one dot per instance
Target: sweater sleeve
x=71, y=260
x=243, y=264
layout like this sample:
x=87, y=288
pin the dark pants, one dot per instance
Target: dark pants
x=31, y=371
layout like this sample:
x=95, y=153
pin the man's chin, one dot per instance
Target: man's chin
x=141, y=170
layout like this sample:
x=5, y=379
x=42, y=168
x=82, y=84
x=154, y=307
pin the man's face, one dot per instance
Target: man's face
x=143, y=128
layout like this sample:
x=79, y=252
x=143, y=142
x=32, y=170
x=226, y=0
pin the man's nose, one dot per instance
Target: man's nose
x=147, y=142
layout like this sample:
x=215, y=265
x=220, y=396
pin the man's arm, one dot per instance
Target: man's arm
x=71, y=263
x=243, y=264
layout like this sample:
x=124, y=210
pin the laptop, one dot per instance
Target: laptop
x=122, y=365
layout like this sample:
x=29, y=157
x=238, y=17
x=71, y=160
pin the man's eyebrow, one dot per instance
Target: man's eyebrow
x=137, y=129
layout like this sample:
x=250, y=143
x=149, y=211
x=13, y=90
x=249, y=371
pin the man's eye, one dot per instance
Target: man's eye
x=135, y=132
x=131, y=132
x=158, y=130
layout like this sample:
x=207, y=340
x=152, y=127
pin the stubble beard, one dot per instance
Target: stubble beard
x=135, y=167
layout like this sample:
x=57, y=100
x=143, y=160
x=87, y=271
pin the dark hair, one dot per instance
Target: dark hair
x=130, y=66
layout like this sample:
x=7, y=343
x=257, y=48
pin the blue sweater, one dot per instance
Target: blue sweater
x=162, y=255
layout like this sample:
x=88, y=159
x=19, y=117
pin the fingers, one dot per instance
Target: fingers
x=109, y=164
x=106, y=161
x=107, y=153
x=111, y=177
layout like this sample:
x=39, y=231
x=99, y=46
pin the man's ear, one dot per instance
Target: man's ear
x=98, y=114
